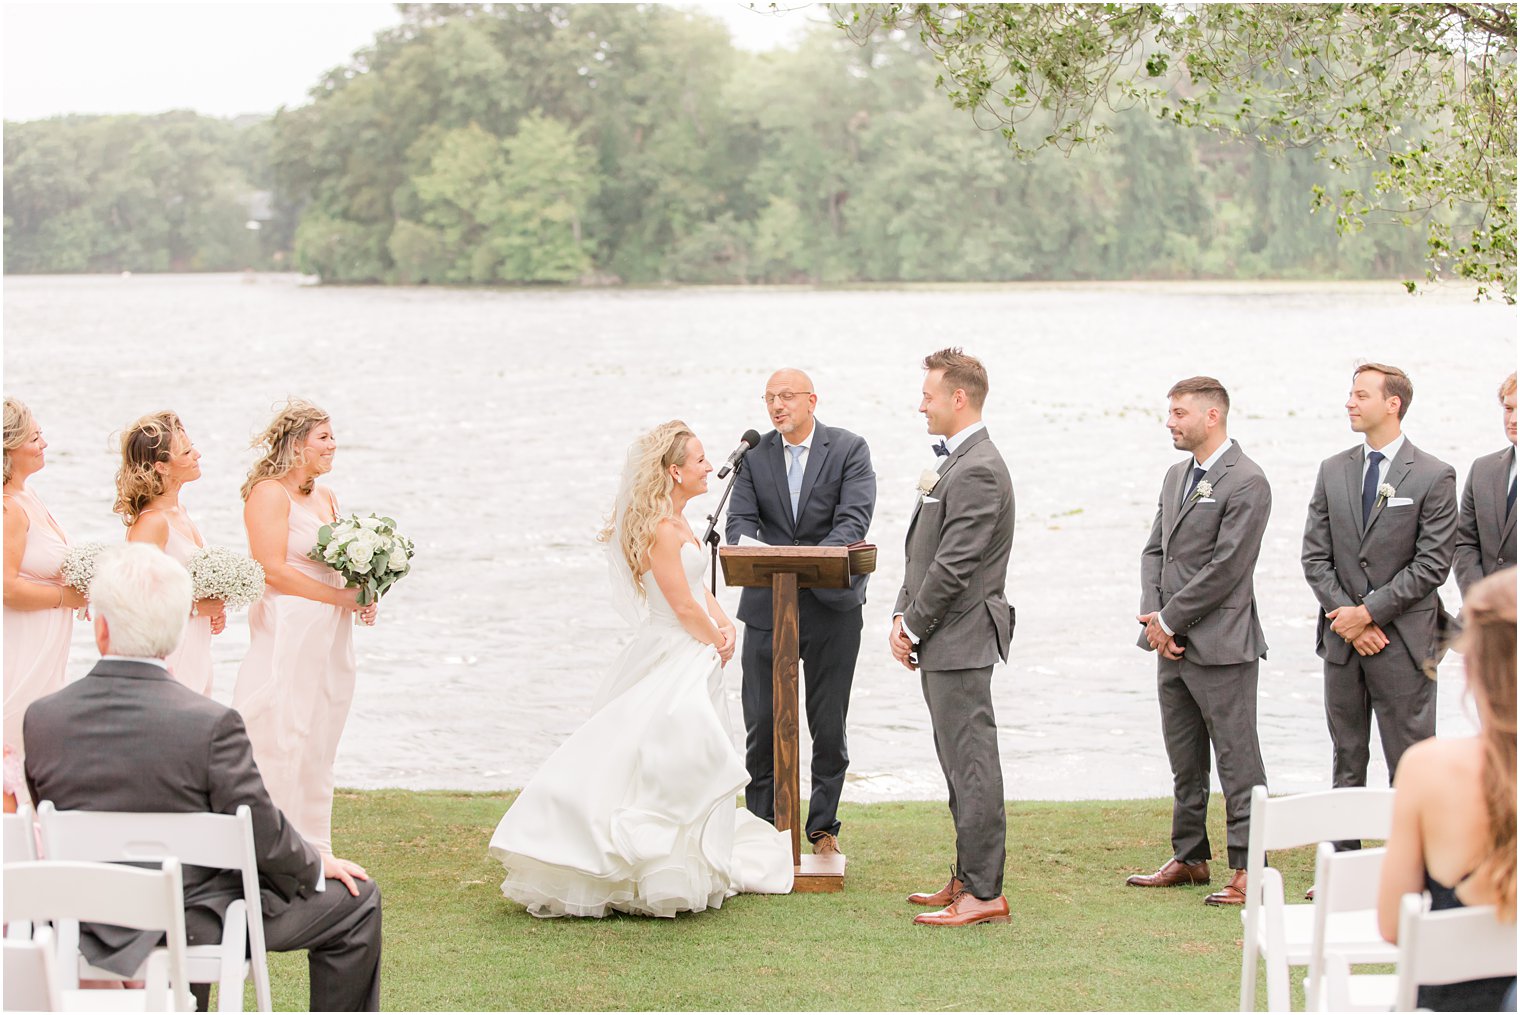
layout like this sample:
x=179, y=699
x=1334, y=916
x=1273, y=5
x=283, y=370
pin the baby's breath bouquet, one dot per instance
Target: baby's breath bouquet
x=219, y=573
x=78, y=568
x=368, y=552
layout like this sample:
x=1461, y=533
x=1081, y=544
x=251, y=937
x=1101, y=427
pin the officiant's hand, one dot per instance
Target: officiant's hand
x=726, y=649
x=1171, y=650
x=1371, y=641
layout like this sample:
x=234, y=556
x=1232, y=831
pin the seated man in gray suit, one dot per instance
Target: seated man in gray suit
x=1378, y=543
x=129, y=737
x=1486, y=527
x=1198, y=605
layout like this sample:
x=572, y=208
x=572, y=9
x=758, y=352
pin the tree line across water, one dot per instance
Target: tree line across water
x=507, y=144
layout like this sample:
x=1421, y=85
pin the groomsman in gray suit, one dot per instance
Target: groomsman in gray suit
x=1198, y=605
x=129, y=737
x=952, y=622
x=1378, y=543
x=1486, y=527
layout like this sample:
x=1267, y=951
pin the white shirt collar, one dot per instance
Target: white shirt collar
x=956, y=441
x=1389, y=451
x=1208, y=464
x=136, y=659
x=807, y=442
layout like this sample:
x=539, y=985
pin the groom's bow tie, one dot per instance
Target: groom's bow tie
x=941, y=449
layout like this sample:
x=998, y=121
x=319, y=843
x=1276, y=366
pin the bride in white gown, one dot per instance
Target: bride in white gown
x=636, y=812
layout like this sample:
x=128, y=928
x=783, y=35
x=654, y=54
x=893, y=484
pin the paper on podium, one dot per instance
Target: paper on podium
x=750, y=541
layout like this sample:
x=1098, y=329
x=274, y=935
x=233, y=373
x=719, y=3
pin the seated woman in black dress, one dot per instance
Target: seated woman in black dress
x=1454, y=803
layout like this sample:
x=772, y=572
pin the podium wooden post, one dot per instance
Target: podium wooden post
x=786, y=569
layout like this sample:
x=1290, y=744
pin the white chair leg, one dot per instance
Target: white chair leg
x=234, y=948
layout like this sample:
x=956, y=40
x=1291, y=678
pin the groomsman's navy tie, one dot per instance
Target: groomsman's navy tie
x=794, y=475
x=1509, y=503
x=941, y=449
x=1370, y=486
x=1198, y=473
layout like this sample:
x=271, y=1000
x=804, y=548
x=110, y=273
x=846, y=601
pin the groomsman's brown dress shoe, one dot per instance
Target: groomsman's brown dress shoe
x=824, y=843
x=941, y=898
x=1173, y=872
x=966, y=909
x=1232, y=894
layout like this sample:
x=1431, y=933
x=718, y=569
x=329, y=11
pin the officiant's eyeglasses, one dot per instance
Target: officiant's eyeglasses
x=784, y=396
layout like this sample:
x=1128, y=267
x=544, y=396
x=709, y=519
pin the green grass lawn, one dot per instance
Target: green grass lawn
x=1080, y=939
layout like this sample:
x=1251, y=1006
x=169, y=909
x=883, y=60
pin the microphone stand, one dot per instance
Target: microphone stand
x=710, y=537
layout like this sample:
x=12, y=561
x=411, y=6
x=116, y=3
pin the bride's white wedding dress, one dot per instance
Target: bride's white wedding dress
x=636, y=812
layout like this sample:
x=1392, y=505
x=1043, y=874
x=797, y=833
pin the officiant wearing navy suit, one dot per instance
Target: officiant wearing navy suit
x=806, y=484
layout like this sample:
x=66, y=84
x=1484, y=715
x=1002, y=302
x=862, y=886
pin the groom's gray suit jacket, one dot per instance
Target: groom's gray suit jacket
x=959, y=540
x=1486, y=529
x=1403, y=553
x=1199, y=564
x=129, y=737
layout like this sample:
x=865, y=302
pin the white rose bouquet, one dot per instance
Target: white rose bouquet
x=219, y=573
x=78, y=568
x=368, y=552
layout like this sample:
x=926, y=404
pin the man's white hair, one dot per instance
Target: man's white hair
x=144, y=596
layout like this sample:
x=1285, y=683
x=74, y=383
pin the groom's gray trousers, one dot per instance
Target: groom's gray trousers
x=965, y=737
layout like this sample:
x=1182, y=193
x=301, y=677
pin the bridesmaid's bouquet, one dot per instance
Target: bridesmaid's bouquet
x=368, y=552
x=219, y=573
x=78, y=569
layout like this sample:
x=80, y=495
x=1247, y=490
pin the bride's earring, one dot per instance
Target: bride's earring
x=679, y=480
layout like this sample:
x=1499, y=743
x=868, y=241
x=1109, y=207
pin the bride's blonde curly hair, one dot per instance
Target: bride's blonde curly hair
x=144, y=444
x=282, y=443
x=648, y=485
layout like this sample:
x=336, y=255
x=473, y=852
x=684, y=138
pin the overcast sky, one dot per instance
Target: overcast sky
x=224, y=58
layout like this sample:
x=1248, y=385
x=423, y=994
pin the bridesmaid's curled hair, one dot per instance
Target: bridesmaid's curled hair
x=144, y=444
x=282, y=442
x=648, y=485
x=19, y=425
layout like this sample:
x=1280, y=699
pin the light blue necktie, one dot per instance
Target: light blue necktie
x=794, y=475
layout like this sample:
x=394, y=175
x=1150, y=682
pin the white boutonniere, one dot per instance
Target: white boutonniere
x=926, y=482
x=1385, y=493
x=1203, y=489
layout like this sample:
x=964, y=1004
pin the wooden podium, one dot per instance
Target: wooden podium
x=786, y=569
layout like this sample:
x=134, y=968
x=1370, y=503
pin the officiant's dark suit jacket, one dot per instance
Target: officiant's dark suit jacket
x=1486, y=528
x=129, y=737
x=835, y=507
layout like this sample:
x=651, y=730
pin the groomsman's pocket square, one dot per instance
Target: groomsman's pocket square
x=930, y=500
x=1207, y=500
x=1394, y=502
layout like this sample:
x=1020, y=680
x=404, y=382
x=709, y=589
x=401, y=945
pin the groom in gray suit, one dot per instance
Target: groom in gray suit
x=129, y=737
x=953, y=623
x=1198, y=605
x=1378, y=543
x=1486, y=526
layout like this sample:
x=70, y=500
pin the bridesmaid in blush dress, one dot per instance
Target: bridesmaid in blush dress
x=297, y=681
x=157, y=459
x=39, y=606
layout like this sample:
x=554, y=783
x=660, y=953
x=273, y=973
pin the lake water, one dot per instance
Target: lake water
x=492, y=425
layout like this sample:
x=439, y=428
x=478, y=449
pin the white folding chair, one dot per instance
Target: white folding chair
x=1345, y=909
x=31, y=978
x=202, y=839
x=1449, y=946
x=20, y=845
x=151, y=900
x=1281, y=935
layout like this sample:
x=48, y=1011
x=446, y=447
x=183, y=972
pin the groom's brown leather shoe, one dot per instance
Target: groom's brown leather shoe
x=1232, y=894
x=1173, y=872
x=966, y=909
x=941, y=898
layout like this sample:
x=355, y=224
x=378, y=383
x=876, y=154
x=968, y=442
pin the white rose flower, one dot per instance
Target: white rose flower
x=927, y=481
x=370, y=523
x=397, y=561
x=359, y=552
